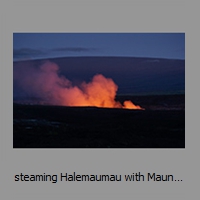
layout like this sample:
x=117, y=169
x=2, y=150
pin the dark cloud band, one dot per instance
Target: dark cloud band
x=74, y=49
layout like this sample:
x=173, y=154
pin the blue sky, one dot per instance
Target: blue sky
x=48, y=45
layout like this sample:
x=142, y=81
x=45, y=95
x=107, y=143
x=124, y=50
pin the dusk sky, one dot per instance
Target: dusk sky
x=47, y=45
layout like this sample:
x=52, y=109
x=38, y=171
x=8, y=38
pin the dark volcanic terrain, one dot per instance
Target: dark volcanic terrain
x=160, y=125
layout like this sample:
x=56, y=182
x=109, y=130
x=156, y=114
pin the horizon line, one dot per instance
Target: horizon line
x=60, y=57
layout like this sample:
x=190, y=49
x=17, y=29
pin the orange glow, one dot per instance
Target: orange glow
x=130, y=105
x=45, y=83
x=100, y=92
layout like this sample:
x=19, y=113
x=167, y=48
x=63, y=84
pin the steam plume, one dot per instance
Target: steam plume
x=45, y=83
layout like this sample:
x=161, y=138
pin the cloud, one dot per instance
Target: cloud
x=27, y=52
x=24, y=53
x=74, y=49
